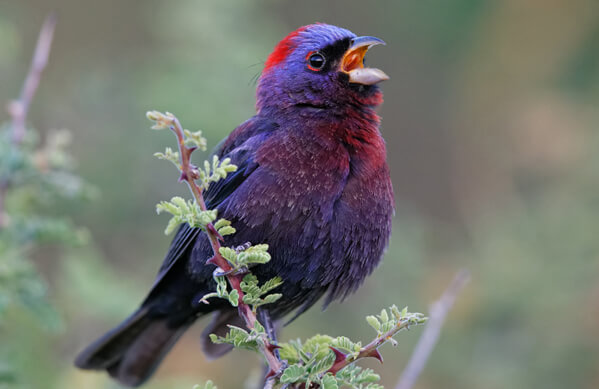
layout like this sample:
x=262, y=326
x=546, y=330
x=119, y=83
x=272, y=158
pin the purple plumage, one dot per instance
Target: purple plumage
x=312, y=182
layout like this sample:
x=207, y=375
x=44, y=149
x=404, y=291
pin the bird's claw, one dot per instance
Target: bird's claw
x=240, y=271
x=219, y=272
x=242, y=247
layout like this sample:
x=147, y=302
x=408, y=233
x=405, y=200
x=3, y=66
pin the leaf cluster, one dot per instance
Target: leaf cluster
x=212, y=171
x=352, y=376
x=254, y=295
x=183, y=211
x=241, y=338
x=245, y=257
x=392, y=320
x=311, y=361
x=215, y=171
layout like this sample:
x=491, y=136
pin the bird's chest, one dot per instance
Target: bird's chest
x=323, y=184
x=320, y=210
x=299, y=180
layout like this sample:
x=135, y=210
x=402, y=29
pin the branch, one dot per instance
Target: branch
x=438, y=311
x=189, y=174
x=403, y=320
x=18, y=109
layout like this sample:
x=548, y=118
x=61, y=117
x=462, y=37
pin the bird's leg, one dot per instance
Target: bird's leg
x=271, y=331
x=266, y=321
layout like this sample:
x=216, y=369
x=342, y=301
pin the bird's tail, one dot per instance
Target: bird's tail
x=131, y=352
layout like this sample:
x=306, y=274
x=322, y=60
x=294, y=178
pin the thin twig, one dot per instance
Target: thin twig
x=371, y=349
x=430, y=335
x=18, y=109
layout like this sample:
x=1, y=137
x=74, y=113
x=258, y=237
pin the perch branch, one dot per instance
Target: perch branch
x=371, y=349
x=190, y=174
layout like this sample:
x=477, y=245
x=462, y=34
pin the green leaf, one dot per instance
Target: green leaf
x=250, y=279
x=238, y=337
x=162, y=120
x=384, y=316
x=396, y=313
x=251, y=257
x=251, y=300
x=200, y=218
x=226, y=230
x=169, y=155
x=329, y=382
x=195, y=139
x=344, y=343
x=271, y=284
x=322, y=364
x=249, y=285
x=271, y=298
x=292, y=374
x=173, y=223
x=234, y=297
x=220, y=223
x=185, y=212
x=229, y=254
x=221, y=287
x=387, y=326
x=374, y=323
x=180, y=203
x=168, y=207
x=367, y=376
x=259, y=247
x=318, y=345
x=404, y=312
x=258, y=327
x=288, y=353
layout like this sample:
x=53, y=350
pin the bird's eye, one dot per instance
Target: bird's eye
x=316, y=61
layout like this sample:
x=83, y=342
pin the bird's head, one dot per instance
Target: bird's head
x=319, y=67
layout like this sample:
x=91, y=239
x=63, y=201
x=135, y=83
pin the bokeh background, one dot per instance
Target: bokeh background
x=491, y=119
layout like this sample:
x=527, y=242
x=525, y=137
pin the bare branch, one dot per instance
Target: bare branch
x=438, y=311
x=18, y=109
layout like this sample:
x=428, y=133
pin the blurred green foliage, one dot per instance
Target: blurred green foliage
x=491, y=121
x=33, y=177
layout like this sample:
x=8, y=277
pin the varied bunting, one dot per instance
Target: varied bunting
x=312, y=182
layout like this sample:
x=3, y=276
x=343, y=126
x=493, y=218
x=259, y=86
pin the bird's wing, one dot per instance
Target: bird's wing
x=240, y=146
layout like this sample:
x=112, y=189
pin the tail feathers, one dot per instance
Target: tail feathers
x=132, y=351
x=219, y=326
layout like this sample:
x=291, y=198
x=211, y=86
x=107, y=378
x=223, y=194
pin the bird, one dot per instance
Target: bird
x=312, y=182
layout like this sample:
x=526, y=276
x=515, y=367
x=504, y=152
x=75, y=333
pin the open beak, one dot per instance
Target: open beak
x=352, y=62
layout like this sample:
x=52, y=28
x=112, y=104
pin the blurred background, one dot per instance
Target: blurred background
x=491, y=120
